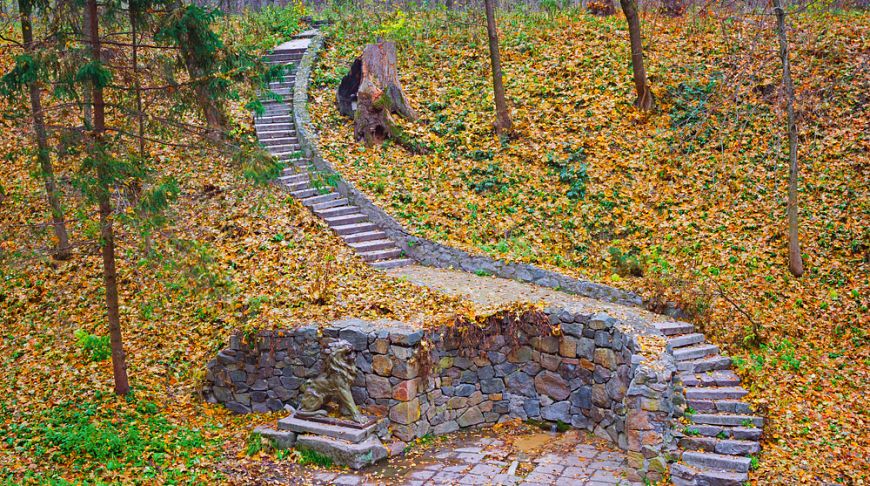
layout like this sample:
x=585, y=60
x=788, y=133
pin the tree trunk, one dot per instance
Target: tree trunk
x=644, y=100
x=107, y=236
x=87, y=105
x=380, y=95
x=62, y=251
x=795, y=260
x=502, y=116
x=134, y=21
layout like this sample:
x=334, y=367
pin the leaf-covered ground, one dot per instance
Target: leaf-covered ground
x=686, y=204
x=232, y=255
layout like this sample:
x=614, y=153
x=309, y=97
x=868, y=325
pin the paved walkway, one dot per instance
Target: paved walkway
x=573, y=458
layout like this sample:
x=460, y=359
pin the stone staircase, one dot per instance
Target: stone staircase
x=716, y=447
x=276, y=130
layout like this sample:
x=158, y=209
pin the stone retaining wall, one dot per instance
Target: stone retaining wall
x=583, y=370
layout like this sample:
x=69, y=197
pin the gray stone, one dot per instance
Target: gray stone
x=485, y=373
x=494, y=385
x=282, y=439
x=504, y=369
x=601, y=321
x=520, y=383
x=358, y=339
x=472, y=416
x=558, y=411
x=302, y=426
x=552, y=385
x=495, y=357
x=572, y=329
x=445, y=428
x=532, y=407
x=464, y=390
x=378, y=386
x=582, y=398
x=585, y=348
x=406, y=337
x=601, y=374
x=354, y=456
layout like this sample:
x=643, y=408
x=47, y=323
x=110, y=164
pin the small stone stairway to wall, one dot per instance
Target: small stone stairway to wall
x=722, y=434
x=276, y=130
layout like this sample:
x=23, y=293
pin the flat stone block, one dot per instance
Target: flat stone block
x=302, y=426
x=344, y=453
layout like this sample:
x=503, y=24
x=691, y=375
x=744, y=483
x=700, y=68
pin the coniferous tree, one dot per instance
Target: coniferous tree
x=26, y=73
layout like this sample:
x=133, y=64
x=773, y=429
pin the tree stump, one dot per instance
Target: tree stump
x=380, y=96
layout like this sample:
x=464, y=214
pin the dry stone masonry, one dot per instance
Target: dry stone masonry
x=585, y=370
x=588, y=371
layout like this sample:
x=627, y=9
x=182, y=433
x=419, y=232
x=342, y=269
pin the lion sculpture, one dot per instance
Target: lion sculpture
x=333, y=383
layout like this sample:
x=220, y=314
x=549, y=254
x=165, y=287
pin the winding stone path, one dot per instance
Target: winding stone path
x=723, y=434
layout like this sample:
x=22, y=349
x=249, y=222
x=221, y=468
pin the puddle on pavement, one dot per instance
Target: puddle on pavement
x=534, y=442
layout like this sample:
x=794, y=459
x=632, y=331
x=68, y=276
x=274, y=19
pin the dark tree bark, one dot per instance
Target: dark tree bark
x=644, y=100
x=795, y=260
x=380, y=95
x=62, y=251
x=107, y=236
x=346, y=95
x=502, y=116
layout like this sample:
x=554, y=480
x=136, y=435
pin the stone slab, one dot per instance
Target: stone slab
x=343, y=453
x=302, y=426
x=301, y=43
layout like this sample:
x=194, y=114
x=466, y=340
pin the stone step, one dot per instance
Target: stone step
x=322, y=198
x=292, y=177
x=364, y=236
x=674, y=328
x=304, y=193
x=683, y=475
x=264, y=135
x=297, y=186
x=291, y=156
x=705, y=364
x=720, y=446
x=684, y=340
x=272, y=121
x=718, y=462
x=740, y=433
x=695, y=352
x=348, y=229
x=285, y=140
x=302, y=426
x=284, y=92
x=282, y=126
x=372, y=245
x=387, y=264
x=377, y=255
x=329, y=204
x=710, y=378
x=726, y=406
x=346, y=219
x=343, y=453
x=715, y=392
x=336, y=211
x=291, y=171
x=284, y=149
x=726, y=419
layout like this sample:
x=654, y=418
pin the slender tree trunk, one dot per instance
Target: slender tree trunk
x=87, y=106
x=502, y=116
x=107, y=236
x=644, y=100
x=140, y=115
x=795, y=261
x=136, y=84
x=62, y=251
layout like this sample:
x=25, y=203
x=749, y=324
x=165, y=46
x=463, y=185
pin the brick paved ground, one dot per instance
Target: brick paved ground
x=485, y=460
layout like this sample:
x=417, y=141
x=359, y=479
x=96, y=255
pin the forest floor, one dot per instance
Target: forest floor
x=685, y=204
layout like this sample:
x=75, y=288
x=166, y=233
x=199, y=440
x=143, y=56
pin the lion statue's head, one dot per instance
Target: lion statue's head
x=338, y=364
